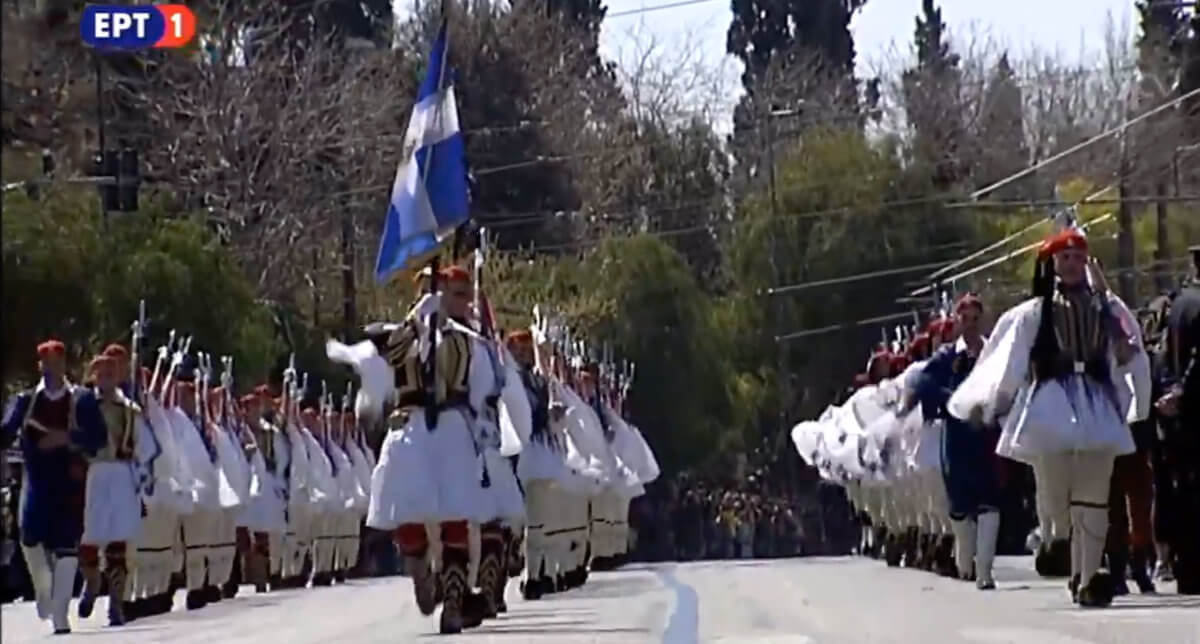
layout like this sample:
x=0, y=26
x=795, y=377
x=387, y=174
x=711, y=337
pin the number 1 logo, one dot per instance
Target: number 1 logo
x=180, y=26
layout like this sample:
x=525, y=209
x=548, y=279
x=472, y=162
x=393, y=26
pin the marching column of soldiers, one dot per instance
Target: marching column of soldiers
x=515, y=460
x=514, y=457
x=1104, y=410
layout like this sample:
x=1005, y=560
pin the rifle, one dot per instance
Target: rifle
x=164, y=353
x=135, y=341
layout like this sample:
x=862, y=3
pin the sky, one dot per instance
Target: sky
x=883, y=30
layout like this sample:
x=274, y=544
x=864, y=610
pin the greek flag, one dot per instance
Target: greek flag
x=429, y=197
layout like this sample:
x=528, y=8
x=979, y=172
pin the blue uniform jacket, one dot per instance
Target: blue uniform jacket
x=55, y=480
x=968, y=467
x=944, y=372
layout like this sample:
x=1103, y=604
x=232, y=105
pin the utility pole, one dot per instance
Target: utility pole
x=1127, y=285
x=349, y=305
x=781, y=354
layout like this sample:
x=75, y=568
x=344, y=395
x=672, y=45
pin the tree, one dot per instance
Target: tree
x=798, y=57
x=1160, y=46
x=931, y=99
x=1002, y=129
x=55, y=249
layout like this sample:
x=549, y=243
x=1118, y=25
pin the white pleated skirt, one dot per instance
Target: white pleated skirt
x=538, y=462
x=1074, y=414
x=502, y=498
x=425, y=476
x=112, y=509
x=266, y=510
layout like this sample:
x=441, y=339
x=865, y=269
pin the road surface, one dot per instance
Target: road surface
x=790, y=601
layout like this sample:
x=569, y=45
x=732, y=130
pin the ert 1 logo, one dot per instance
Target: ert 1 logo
x=129, y=28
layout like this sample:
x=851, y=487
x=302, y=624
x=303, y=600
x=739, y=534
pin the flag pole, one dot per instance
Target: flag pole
x=430, y=366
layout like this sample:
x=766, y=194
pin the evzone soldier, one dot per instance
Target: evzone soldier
x=540, y=467
x=108, y=433
x=162, y=492
x=51, y=508
x=969, y=467
x=323, y=496
x=298, y=539
x=201, y=526
x=234, y=481
x=350, y=535
x=504, y=502
x=1178, y=408
x=264, y=518
x=1054, y=369
x=162, y=495
x=427, y=486
x=344, y=490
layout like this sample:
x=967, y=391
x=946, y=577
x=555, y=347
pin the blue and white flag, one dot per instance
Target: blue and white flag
x=429, y=197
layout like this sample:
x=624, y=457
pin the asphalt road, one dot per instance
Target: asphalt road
x=789, y=601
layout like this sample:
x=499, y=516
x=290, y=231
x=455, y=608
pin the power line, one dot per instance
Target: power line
x=910, y=313
x=1003, y=258
x=656, y=7
x=1120, y=128
x=791, y=288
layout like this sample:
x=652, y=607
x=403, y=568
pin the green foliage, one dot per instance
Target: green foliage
x=639, y=295
x=71, y=275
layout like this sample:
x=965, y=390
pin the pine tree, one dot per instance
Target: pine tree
x=1002, y=150
x=931, y=99
x=797, y=54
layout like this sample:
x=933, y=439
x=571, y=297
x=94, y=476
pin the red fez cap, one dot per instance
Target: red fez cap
x=968, y=299
x=455, y=273
x=1069, y=238
x=51, y=348
x=116, y=351
x=942, y=327
x=919, y=345
x=521, y=336
x=101, y=361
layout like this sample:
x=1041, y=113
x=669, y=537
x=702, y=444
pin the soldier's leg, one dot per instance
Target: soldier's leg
x=223, y=554
x=322, y=549
x=455, y=556
x=62, y=584
x=1140, y=496
x=300, y=522
x=257, y=562
x=413, y=541
x=492, y=573
x=89, y=568
x=278, y=545
x=116, y=573
x=354, y=539
x=198, y=535
x=535, y=539
x=156, y=553
x=41, y=573
x=1091, y=476
x=1117, y=542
